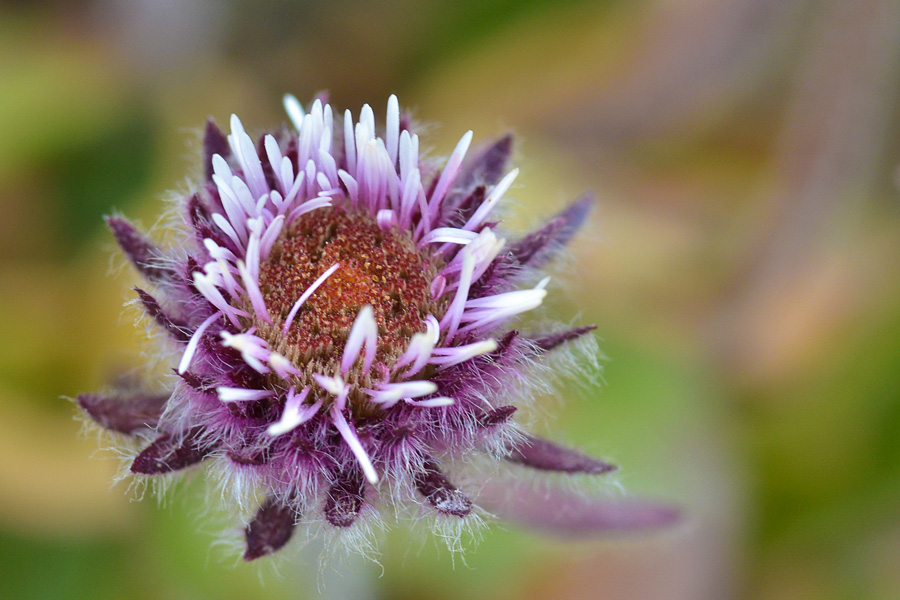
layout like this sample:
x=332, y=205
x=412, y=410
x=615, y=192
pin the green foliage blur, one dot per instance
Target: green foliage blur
x=741, y=267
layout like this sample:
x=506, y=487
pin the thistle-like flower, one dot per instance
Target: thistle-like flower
x=341, y=310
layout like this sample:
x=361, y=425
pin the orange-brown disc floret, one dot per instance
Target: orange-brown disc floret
x=380, y=268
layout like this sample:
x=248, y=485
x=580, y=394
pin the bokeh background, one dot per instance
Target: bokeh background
x=742, y=267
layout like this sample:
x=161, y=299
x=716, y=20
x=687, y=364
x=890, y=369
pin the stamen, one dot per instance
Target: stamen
x=253, y=292
x=269, y=237
x=493, y=198
x=245, y=197
x=482, y=313
x=308, y=206
x=408, y=158
x=392, y=128
x=243, y=148
x=484, y=247
x=431, y=402
x=438, y=286
x=412, y=191
x=325, y=138
x=418, y=352
x=347, y=432
x=221, y=168
x=217, y=252
x=282, y=366
x=205, y=286
x=230, y=394
x=253, y=350
x=448, y=175
x=367, y=121
x=451, y=319
x=309, y=292
x=333, y=385
x=385, y=219
x=447, y=357
x=252, y=256
x=225, y=225
x=450, y=235
x=364, y=331
x=294, y=413
x=349, y=145
x=188, y=355
x=311, y=173
x=273, y=153
x=352, y=186
x=434, y=327
x=294, y=110
x=328, y=164
x=221, y=269
x=389, y=394
x=298, y=183
x=324, y=183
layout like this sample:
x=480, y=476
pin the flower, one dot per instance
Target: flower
x=341, y=311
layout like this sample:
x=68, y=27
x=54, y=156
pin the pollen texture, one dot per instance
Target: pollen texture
x=383, y=269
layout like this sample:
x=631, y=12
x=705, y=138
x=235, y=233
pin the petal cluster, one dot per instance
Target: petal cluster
x=370, y=416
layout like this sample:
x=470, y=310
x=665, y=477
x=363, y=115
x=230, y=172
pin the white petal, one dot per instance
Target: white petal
x=363, y=332
x=230, y=394
x=194, y=341
x=294, y=110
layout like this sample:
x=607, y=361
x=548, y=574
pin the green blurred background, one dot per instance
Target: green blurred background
x=742, y=268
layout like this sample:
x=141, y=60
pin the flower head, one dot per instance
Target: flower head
x=341, y=309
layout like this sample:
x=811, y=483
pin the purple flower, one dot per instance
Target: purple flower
x=341, y=309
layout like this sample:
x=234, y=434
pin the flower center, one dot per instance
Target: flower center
x=383, y=269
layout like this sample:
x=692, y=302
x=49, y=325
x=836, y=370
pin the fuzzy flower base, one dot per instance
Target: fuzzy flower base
x=341, y=310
